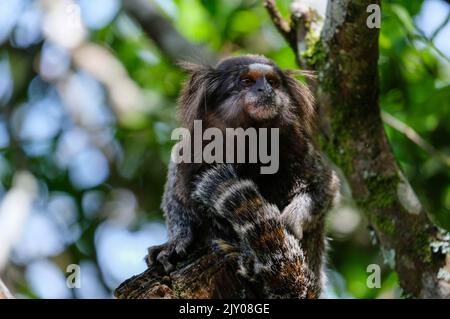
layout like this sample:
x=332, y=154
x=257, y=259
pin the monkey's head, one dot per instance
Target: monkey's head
x=245, y=91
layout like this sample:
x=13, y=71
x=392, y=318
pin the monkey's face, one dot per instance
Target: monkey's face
x=254, y=92
x=259, y=91
x=245, y=91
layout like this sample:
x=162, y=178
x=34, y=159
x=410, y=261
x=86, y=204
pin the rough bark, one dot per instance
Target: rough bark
x=345, y=57
x=203, y=275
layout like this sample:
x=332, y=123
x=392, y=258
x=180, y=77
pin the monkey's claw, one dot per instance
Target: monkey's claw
x=167, y=254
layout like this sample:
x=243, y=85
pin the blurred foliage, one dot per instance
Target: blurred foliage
x=415, y=89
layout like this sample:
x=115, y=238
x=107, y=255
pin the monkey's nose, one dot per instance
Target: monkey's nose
x=262, y=86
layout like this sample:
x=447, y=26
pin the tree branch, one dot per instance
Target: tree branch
x=413, y=136
x=280, y=23
x=348, y=91
x=203, y=275
x=165, y=36
x=295, y=32
x=4, y=292
x=440, y=27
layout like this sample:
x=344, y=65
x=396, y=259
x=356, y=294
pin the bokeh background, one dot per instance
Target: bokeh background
x=87, y=105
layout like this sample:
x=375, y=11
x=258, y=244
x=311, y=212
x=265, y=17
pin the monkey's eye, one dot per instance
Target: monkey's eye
x=273, y=82
x=246, y=81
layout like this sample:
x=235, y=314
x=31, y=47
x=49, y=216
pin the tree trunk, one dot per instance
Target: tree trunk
x=347, y=90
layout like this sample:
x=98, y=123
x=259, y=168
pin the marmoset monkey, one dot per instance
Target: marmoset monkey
x=272, y=223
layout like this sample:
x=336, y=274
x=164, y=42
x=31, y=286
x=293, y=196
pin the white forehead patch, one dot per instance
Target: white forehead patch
x=260, y=67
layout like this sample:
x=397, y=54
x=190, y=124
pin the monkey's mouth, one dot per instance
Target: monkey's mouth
x=262, y=109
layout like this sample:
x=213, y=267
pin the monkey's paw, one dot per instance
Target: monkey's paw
x=169, y=253
x=212, y=182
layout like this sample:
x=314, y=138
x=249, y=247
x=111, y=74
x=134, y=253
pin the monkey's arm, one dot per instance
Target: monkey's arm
x=267, y=254
x=311, y=200
x=304, y=217
x=181, y=219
